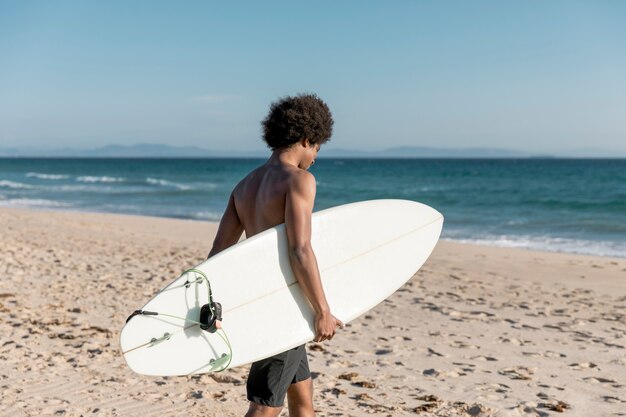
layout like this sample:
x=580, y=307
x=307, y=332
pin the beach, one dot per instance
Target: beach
x=478, y=331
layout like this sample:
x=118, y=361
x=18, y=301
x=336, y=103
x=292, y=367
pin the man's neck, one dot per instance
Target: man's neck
x=285, y=156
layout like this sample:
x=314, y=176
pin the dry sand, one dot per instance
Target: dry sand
x=479, y=331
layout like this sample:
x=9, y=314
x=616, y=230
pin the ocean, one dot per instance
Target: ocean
x=563, y=205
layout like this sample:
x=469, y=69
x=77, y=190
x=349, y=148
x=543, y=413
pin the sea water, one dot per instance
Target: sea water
x=567, y=205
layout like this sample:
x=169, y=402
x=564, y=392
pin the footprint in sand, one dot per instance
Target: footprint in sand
x=471, y=365
x=582, y=365
x=514, y=341
x=613, y=400
x=444, y=374
x=499, y=388
x=432, y=352
x=518, y=372
x=484, y=358
x=558, y=406
x=546, y=354
x=600, y=380
x=462, y=345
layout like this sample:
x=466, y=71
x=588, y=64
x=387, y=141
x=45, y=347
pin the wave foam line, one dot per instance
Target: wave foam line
x=165, y=183
x=550, y=244
x=89, y=178
x=47, y=176
x=13, y=184
x=32, y=203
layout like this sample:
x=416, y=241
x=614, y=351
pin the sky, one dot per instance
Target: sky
x=536, y=76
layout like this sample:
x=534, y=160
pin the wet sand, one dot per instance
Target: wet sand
x=478, y=331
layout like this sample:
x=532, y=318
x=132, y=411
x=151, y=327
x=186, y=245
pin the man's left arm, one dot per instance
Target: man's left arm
x=229, y=230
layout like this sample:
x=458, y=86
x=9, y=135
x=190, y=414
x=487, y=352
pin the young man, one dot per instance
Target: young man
x=283, y=191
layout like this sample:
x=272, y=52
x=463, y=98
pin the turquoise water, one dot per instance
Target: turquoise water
x=568, y=205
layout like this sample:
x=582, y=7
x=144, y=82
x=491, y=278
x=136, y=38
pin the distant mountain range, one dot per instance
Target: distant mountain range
x=148, y=150
x=424, y=152
x=142, y=150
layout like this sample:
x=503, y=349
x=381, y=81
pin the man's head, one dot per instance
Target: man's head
x=294, y=119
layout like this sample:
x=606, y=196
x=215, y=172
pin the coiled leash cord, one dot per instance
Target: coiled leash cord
x=210, y=313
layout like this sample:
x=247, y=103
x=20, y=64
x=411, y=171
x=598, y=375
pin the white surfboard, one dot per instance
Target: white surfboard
x=365, y=252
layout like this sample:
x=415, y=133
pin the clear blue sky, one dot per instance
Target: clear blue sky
x=539, y=76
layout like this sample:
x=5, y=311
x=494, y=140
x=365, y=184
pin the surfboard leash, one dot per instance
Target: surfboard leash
x=210, y=313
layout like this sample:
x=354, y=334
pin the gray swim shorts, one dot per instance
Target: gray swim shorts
x=269, y=379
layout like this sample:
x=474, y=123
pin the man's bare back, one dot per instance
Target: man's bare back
x=260, y=197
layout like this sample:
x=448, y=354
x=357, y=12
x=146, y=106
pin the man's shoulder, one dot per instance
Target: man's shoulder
x=250, y=176
x=301, y=179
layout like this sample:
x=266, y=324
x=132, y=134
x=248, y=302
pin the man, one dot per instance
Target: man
x=283, y=191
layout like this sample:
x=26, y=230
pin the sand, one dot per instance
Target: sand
x=478, y=331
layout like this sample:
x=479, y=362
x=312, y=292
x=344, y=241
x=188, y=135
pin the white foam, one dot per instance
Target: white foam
x=13, y=184
x=81, y=187
x=550, y=243
x=33, y=202
x=209, y=185
x=88, y=178
x=165, y=183
x=47, y=176
x=207, y=215
x=516, y=222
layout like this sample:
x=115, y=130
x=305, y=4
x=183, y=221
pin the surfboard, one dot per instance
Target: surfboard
x=365, y=252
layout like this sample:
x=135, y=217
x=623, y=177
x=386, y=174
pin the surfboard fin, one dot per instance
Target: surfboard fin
x=156, y=341
x=221, y=362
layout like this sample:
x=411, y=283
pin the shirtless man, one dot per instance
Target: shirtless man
x=283, y=191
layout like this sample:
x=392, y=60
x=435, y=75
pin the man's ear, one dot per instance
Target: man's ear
x=305, y=143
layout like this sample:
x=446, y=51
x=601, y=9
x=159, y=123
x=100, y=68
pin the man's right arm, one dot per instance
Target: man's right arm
x=229, y=230
x=298, y=211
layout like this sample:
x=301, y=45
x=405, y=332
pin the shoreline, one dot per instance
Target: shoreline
x=216, y=223
x=479, y=330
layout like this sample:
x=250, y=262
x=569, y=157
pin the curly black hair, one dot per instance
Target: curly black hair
x=293, y=118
